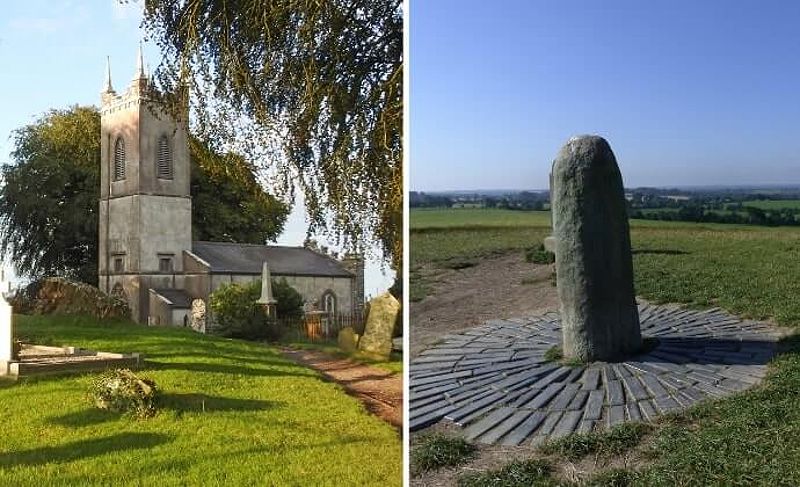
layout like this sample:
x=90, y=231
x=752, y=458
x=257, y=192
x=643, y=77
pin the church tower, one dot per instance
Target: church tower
x=145, y=203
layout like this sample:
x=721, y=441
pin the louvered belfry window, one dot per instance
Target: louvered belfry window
x=164, y=159
x=119, y=159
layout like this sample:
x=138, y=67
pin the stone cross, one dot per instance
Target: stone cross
x=6, y=324
x=594, y=266
x=267, y=299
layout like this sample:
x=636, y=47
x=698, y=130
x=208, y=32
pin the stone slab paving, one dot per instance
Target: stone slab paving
x=494, y=381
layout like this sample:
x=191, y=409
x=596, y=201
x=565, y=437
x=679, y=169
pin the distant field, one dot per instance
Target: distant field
x=773, y=204
x=749, y=270
x=476, y=217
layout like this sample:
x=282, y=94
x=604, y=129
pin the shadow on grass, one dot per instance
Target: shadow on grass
x=203, y=402
x=217, y=368
x=78, y=450
x=660, y=252
x=179, y=403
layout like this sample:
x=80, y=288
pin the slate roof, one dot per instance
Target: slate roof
x=232, y=258
x=177, y=297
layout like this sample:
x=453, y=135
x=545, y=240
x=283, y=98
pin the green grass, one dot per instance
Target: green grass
x=773, y=204
x=746, y=439
x=613, y=442
x=235, y=413
x=553, y=354
x=394, y=364
x=436, y=450
x=523, y=473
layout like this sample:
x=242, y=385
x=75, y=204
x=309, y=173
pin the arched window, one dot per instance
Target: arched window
x=329, y=302
x=163, y=159
x=119, y=159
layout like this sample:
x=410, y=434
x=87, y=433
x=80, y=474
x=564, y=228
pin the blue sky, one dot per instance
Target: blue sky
x=686, y=92
x=53, y=55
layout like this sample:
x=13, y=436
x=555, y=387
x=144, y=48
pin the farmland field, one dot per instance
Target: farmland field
x=773, y=204
x=752, y=271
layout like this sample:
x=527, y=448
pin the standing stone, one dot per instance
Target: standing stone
x=377, y=338
x=594, y=266
x=7, y=351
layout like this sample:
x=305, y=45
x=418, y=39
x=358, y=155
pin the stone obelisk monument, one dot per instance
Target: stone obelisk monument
x=594, y=267
x=7, y=352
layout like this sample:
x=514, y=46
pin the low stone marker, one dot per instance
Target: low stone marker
x=594, y=266
x=348, y=339
x=377, y=338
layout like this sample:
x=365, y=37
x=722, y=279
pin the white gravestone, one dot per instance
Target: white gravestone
x=6, y=325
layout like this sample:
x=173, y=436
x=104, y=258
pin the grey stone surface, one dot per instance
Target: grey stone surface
x=593, y=253
x=493, y=381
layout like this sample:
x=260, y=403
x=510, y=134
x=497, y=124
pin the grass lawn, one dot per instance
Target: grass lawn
x=747, y=439
x=234, y=413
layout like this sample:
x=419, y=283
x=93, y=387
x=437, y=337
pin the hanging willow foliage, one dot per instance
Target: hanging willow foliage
x=310, y=89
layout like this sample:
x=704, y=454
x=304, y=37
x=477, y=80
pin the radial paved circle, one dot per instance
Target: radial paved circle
x=494, y=380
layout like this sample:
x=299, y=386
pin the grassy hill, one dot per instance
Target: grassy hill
x=749, y=270
x=235, y=413
x=747, y=439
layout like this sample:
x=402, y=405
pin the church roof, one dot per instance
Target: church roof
x=177, y=297
x=233, y=258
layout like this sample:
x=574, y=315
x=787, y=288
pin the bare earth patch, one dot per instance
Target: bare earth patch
x=380, y=391
x=497, y=287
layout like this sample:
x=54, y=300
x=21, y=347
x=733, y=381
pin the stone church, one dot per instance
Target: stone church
x=147, y=255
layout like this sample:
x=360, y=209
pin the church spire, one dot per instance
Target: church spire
x=108, y=88
x=140, y=74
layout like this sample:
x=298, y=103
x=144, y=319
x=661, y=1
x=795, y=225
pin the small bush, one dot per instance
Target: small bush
x=122, y=391
x=553, y=354
x=525, y=473
x=437, y=450
x=56, y=295
x=538, y=255
x=236, y=314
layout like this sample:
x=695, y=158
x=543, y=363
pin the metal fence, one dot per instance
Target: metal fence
x=321, y=326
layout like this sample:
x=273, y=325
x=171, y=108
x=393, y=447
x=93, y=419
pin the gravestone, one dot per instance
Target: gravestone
x=377, y=338
x=7, y=352
x=198, y=314
x=348, y=339
x=594, y=266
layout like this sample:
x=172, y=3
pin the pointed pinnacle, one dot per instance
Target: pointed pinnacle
x=140, y=64
x=108, y=87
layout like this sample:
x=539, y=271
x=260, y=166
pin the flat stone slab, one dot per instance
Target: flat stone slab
x=494, y=381
x=37, y=360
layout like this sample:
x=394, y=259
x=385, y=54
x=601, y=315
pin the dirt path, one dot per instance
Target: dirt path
x=380, y=391
x=497, y=287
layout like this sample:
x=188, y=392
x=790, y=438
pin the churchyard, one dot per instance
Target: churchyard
x=472, y=262
x=231, y=412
